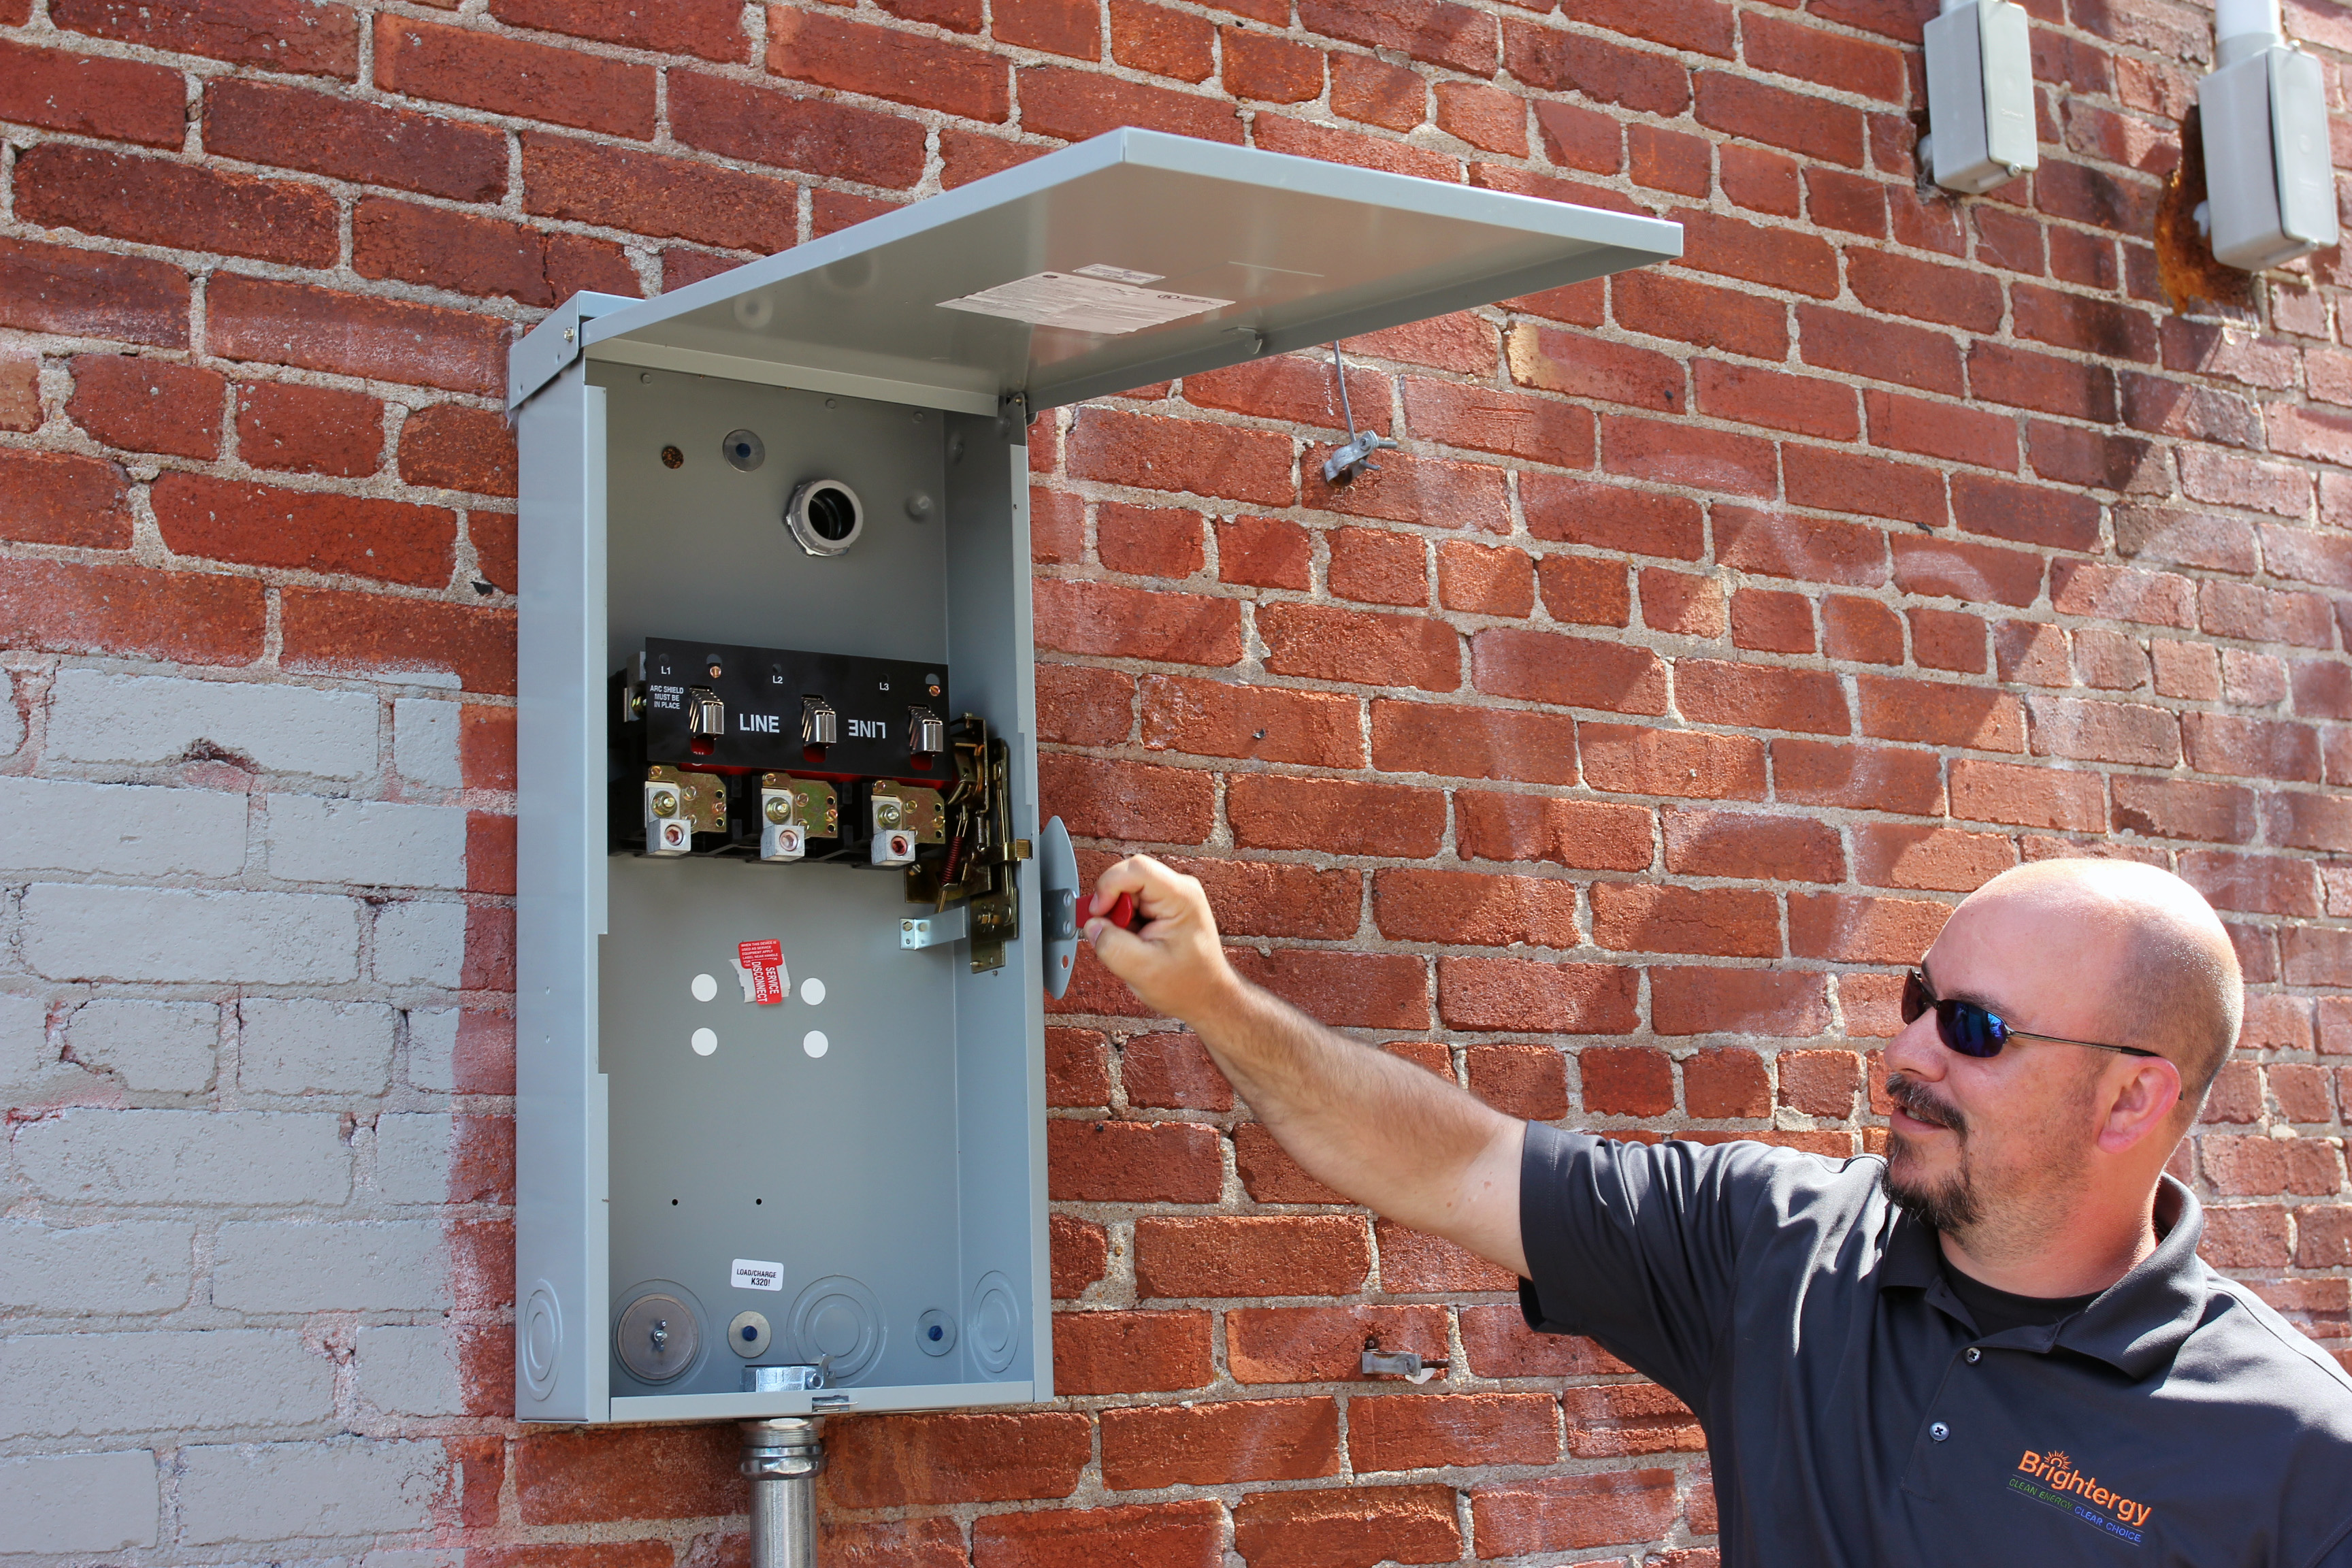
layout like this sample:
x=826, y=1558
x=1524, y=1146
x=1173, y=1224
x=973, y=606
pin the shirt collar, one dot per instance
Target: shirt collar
x=2137, y=1324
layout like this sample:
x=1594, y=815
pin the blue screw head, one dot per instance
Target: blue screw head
x=938, y=1332
x=751, y=1332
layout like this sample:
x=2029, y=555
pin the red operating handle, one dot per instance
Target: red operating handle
x=1123, y=913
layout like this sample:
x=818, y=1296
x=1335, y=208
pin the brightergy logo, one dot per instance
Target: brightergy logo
x=2053, y=1478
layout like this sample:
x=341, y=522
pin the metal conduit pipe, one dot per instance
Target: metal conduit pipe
x=782, y=1459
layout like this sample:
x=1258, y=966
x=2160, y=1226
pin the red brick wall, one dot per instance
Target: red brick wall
x=1715, y=628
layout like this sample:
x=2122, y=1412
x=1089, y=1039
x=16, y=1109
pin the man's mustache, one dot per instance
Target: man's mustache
x=1923, y=1106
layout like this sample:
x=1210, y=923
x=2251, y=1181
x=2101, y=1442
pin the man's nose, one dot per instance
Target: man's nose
x=1915, y=1052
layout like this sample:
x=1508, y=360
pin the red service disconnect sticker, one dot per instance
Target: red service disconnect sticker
x=765, y=959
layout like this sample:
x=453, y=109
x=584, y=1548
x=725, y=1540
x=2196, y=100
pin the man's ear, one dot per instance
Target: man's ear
x=2140, y=1104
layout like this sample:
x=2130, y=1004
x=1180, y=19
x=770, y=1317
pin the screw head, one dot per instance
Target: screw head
x=886, y=813
x=779, y=810
x=665, y=803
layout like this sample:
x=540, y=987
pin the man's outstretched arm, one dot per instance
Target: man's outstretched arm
x=1379, y=1131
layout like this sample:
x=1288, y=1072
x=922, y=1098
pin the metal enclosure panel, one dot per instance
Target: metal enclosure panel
x=560, y=1131
x=2299, y=140
x=2242, y=174
x=1305, y=252
x=1980, y=96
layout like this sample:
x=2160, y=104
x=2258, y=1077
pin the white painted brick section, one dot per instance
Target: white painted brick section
x=431, y=1043
x=198, y=1159
x=420, y=945
x=411, y=1370
x=373, y=843
x=132, y=1265
x=120, y=830
x=424, y=738
x=314, y=1047
x=12, y=723
x=95, y=717
x=78, y=1502
x=82, y=932
x=261, y=1266
x=411, y=1157
x=164, y=1047
x=279, y=1491
x=26, y=1053
x=90, y=1385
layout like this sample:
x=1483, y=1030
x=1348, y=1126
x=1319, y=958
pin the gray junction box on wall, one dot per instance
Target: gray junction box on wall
x=786, y=916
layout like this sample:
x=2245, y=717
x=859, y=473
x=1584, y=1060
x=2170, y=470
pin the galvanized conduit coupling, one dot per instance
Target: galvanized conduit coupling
x=782, y=1457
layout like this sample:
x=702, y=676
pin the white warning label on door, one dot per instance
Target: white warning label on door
x=1083, y=304
x=751, y=1274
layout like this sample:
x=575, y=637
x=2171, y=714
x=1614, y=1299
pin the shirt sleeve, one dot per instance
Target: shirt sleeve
x=1637, y=1244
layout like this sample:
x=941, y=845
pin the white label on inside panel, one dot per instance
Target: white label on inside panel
x=751, y=1274
x=1083, y=304
x=1118, y=274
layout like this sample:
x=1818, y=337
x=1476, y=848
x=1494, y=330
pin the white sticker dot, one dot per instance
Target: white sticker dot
x=704, y=1042
x=812, y=993
x=704, y=987
x=814, y=1043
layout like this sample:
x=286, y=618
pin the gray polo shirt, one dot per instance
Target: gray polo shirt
x=1856, y=1417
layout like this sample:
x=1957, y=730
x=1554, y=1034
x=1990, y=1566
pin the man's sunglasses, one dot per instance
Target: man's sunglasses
x=1973, y=1031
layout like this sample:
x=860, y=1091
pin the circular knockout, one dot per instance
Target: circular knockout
x=743, y=451
x=825, y=516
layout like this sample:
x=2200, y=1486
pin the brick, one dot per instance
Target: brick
x=1881, y=350
x=1708, y=460
x=1075, y=105
x=1080, y=1254
x=1377, y=93
x=1640, y=522
x=447, y=446
x=1593, y=834
x=1526, y=1082
x=2250, y=748
x=166, y=203
x=1270, y=723
x=1098, y=618
x=91, y=96
x=1500, y=994
x=265, y=1491
x=59, y=606
x=1271, y=70
x=1511, y=423
x=1713, y=692
x=308, y=429
x=1347, y=1527
x=1758, y=111
x=48, y=288
x=1805, y=404
x=1434, y=31
x=1669, y=161
x=2265, y=615
x=1368, y=990
x=1076, y=1073
x=1552, y=361
x=511, y=75
x=1603, y=70
x=1752, y=847
x=1583, y=591
x=1161, y=41
x=1500, y=1343
x=2027, y=796
x=1333, y=644
x=1133, y=1162
x=1618, y=1420
x=883, y=62
x=1632, y=917
x=2258, y=884
x=1571, y=673
x=1437, y=492
x=2025, y=514
x=1372, y=566
x=288, y=35
x=1128, y=802
x=1625, y=759
x=1150, y=1446
x=1728, y=1082
x=1466, y=907
x=1289, y=1254
x=1665, y=305
x=54, y=498
x=1410, y=1432
x=1940, y=714
x=713, y=29
x=1862, y=630
x=336, y=631
x=1487, y=118
x=319, y=329
x=1889, y=854
x=1334, y=816
x=1809, y=773
x=1473, y=742
x=1295, y=387
x=943, y=1458
x=1485, y=582
x=647, y=194
x=1173, y=1072
x=293, y=128
x=1179, y=1534
x=1563, y=1513
x=1774, y=544
x=1180, y=455
x=1260, y=898
x=306, y=530
x=1855, y=928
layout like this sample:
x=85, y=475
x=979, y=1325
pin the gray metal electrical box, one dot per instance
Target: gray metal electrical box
x=787, y=915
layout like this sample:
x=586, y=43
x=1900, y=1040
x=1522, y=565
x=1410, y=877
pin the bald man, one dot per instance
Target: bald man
x=1995, y=1345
